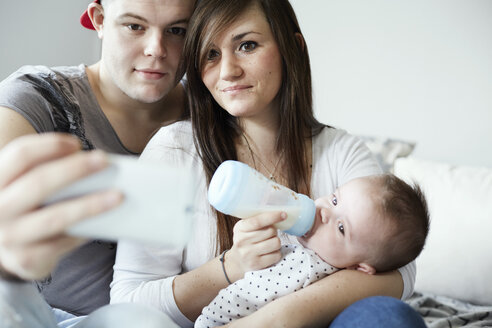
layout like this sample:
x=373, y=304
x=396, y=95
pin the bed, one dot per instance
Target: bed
x=445, y=312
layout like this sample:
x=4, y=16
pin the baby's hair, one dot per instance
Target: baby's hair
x=406, y=208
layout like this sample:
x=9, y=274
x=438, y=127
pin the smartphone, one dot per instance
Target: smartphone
x=157, y=206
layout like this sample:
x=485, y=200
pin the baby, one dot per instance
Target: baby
x=371, y=224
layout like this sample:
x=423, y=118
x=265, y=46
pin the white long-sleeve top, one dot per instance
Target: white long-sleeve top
x=145, y=274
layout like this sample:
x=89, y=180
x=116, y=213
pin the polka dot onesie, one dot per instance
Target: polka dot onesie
x=298, y=268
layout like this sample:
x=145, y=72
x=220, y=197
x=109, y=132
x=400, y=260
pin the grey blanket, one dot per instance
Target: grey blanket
x=444, y=312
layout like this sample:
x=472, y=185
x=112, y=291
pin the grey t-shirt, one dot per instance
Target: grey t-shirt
x=61, y=99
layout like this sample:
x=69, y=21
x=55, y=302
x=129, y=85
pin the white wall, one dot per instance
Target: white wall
x=44, y=32
x=418, y=70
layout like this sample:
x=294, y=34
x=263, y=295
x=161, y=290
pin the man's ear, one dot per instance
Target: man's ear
x=96, y=15
x=363, y=267
x=300, y=40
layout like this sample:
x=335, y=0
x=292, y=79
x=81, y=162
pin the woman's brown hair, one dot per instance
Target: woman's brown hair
x=215, y=130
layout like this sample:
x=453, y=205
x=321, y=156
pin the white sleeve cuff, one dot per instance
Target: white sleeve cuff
x=171, y=308
x=408, y=273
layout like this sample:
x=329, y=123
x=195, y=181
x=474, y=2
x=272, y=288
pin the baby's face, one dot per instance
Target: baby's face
x=347, y=225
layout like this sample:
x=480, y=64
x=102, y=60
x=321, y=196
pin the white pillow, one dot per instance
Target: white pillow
x=457, y=259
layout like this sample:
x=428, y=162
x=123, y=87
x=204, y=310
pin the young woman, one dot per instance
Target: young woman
x=250, y=100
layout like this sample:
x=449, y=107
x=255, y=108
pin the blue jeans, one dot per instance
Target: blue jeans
x=21, y=306
x=378, y=311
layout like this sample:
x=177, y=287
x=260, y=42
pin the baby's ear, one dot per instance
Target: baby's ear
x=364, y=267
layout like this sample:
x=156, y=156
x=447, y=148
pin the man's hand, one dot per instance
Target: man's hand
x=32, y=168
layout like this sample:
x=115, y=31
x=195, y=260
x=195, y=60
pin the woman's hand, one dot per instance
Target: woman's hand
x=256, y=244
x=32, y=168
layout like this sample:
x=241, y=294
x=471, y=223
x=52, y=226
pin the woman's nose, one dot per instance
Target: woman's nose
x=230, y=68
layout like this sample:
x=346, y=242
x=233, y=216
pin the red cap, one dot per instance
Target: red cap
x=86, y=21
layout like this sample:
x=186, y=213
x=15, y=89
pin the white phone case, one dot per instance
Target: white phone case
x=157, y=206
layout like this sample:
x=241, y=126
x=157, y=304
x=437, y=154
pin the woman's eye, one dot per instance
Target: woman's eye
x=179, y=31
x=134, y=27
x=212, y=54
x=248, y=46
x=334, y=200
x=341, y=228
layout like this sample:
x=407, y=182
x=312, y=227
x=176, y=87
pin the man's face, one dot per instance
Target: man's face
x=141, y=45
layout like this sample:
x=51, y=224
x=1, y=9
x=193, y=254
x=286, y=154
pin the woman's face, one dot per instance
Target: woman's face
x=243, y=69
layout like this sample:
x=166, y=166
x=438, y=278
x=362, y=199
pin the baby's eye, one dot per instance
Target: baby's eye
x=334, y=200
x=134, y=27
x=341, y=228
x=248, y=46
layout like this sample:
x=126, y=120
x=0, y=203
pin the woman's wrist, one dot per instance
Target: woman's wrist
x=230, y=267
x=222, y=260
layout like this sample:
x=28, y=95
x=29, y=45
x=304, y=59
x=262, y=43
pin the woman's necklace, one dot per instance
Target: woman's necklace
x=253, y=155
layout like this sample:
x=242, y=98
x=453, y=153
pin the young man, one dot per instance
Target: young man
x=114, y=105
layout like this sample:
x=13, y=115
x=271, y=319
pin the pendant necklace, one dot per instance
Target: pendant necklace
x=253, y=155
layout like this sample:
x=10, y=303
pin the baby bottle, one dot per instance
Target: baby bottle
x=238, y=190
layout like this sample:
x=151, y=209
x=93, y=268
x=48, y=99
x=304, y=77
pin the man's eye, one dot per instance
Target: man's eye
x=334, y=200
x=341, y=228
x=177, y=31
x=134, y=27
x=248, y=46
x=212, y=54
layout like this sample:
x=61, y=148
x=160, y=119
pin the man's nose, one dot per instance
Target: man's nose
x=155, y=46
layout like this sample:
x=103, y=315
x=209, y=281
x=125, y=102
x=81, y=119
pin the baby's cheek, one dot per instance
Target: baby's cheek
x=323, y=202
